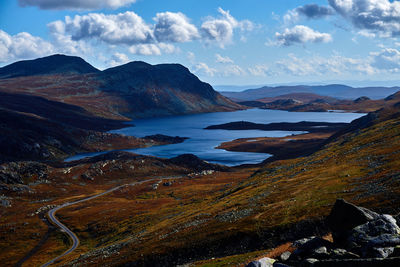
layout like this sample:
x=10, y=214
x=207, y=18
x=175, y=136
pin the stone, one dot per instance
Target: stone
x=302, y=241
x=320, y=253
x=264, y=262
x=341, y=253
x=312, y=248
x=279, y=264
x=381, y=252
x=376, y=238
x=308, y=262
x=285, y=256
x=345, y=216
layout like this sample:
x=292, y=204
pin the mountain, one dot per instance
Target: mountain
x=133, y=90
x=332, y=90
x=55, y=64
x=161, y=89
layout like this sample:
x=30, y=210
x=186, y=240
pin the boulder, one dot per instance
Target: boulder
x=345, y=216
x=341, y=253
x=278, y=264
x=316, y=248
x=376, y=238
x=264, y=262
x=285, y=256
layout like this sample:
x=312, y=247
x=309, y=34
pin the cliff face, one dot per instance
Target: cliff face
x=136, y=89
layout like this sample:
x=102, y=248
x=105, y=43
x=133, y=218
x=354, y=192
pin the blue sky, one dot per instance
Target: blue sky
x=223, y=42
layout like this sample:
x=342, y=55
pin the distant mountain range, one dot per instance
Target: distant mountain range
x=133, y=90
x=333, y=90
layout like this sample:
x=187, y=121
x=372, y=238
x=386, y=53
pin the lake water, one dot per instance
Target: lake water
x=202, y=142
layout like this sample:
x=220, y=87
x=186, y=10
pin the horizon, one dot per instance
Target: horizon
x=290, y=42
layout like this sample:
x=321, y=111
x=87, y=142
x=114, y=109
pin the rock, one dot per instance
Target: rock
x=302, y=241
x=278, y=264
x=381, y=252
x=376, y=238
x=341, y=253
x=264, y=262
x=316, y=247
x=320, y=253
x=396, y=252
x=308, y=262
x=167, y=184
x=87, y=177
x=285, y=256
x=371, y=262
x=5, y=203
x=345, y=216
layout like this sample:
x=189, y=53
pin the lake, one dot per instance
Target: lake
x=202, y=142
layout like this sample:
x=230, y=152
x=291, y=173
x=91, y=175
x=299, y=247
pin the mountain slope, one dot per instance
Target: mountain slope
x=136, y=89
x=230, y=213
x=47, y=65
x=163, y=89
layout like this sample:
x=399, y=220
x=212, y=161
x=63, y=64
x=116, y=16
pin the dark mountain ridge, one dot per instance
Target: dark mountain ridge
x=54, y=64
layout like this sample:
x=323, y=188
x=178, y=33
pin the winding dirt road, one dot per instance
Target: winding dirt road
x=74, y=238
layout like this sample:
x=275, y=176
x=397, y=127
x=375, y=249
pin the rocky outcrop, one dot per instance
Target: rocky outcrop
x=361, y=237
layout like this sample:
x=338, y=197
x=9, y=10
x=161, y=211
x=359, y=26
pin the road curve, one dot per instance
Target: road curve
x=75, y=240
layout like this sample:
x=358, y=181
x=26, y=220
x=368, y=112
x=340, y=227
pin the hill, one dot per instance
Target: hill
x=136, y=89
x=333, y=90
x=55, y=64
x=216, y=214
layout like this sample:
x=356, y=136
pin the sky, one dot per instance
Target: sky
x=224, y=42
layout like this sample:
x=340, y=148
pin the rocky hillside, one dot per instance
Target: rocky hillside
x=361, y=237
x=136, y=89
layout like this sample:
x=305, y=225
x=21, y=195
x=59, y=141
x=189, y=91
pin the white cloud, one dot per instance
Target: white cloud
x=23, y=46
x=152, y=49
x=174, y=27
x=64, y=43
x=310, y=11
x=366, y=33
x=233, y=70
x=221, y=29
x=387, y=59
x=191, y=56
x=118, y=59
x=76, y=4
x=123, y=28
x=381, y=16
x=317, y=65
x=203, y=69
x=259, y=70
x=224, y=60
x=301, y=34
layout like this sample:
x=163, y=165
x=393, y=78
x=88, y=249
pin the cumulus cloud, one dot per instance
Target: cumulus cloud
x=224, y=60
x=310, y=11
x=75, y=4
x=152, y=49
x=318, y=65
x=123, y=28
x=259, y=70
x=387, y=59
x=382, y=16
x=221, y=29
x=203, y=69
x=23, y=46
x=174, y=27
x=301, y=34
x=118, y=59
x=233, y=70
